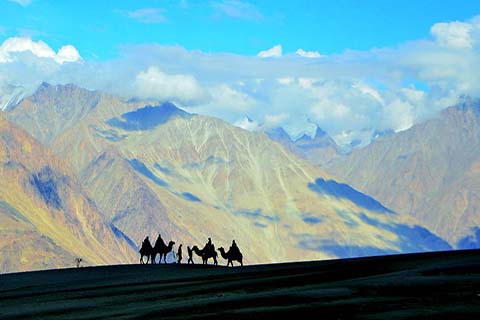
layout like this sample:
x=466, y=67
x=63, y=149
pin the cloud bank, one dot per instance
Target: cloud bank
x=351, y=95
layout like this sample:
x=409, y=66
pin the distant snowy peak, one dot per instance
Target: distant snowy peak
x=10, y=96
x=248, y=123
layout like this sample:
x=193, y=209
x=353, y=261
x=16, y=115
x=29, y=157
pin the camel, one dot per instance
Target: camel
x=160, y=248
x=206, y=254
x=164, y=250
x=231, y=256
x=145, y=251
x=159, y=243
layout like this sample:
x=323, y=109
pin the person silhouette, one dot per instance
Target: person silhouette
x=146, y=242
x=179, y=254
x=190, y=255
x=234, y=248
x=208, y=245
x=146, y=249
x=159, y=241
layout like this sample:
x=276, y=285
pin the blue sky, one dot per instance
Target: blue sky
x=99, y=28
x=352, y=67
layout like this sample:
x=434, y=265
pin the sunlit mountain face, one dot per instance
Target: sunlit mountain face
x=48, y=220
x=154, y=168
x=430, y=171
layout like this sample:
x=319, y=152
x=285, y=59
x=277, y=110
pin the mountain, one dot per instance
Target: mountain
x=10, y=95
x=318, y=148
x=47, y=218
x=430, y=171
x=152, y=167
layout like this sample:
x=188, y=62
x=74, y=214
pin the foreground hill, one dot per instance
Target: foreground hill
x=442, y=285
x=47, y=219
x=430, y=171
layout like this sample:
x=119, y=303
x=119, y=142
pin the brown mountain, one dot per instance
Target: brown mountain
x=47, y=220
x=430, y=171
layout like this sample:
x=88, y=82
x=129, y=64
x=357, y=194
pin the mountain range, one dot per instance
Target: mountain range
x=148, y=167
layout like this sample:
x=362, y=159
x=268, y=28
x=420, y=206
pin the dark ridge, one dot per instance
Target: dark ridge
x=45, y=184
x=440, y=285
x=140, y=167
x=344, y=191
x=147, y=118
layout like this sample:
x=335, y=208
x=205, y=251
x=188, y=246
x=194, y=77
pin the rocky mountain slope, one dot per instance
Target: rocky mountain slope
x=47, y=219
x=430, y=171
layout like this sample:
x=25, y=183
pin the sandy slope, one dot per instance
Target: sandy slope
x=439, y=285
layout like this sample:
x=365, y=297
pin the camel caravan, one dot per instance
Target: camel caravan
x=208, y=252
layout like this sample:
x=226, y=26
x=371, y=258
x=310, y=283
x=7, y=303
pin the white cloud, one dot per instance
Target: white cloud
x=308, y=54
x=366, y=89
x=148, y=15
x=275, y=120
x=183, y=88
x=237, y=9
x=23, y=3
x=286, y=80
x=225, y=97
x=398, y=115
x=15, y=45
x=453, y=34
x=275, y=51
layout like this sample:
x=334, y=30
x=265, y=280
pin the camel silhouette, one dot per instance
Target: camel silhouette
x=163, y=250
x=159, y=243
x=145, y=251
x=206, y=254
x=231, y=255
